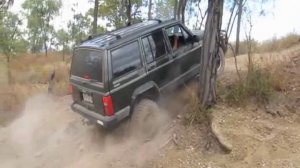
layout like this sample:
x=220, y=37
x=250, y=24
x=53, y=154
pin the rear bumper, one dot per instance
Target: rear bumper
x=105, y=121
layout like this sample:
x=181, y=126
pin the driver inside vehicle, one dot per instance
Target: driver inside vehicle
x=176, y=41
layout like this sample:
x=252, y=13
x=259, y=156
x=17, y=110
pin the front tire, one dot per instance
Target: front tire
x=220, y=61
x=145, y=120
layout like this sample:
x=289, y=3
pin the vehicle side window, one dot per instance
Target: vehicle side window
x=147, y=49
x=178, y=37
x=125, y=59
x=154, y=45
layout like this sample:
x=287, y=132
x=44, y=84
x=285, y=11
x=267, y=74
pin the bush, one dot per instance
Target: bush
x=194, y=114
x=257, y=85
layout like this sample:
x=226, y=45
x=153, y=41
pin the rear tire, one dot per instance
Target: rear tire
x=145, y=120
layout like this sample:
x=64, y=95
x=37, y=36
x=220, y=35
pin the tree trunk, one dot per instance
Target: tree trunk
x=179, y=10
x=96, y=7
x=230, y=18
x=183, y=10
x=63, y=53
x=9, y=78
x=150, y=10
x=240, y=11
x=128, y=12
x=46, y=48
x=208, y=68
x=175, y=8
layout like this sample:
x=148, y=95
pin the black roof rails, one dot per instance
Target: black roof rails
x=90, y=37
x=87, y=39
x=158, y=20
x=116, y=35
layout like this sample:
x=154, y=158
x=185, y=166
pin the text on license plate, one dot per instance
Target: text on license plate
x=87, y=97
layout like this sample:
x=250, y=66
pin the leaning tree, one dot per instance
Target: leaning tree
x=213, y=45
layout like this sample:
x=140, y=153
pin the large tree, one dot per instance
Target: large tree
x=95, y=15
x=240, y=4
x=79, y=28
x=121, y=12
x=63, y=38
x=39, y=14
x=11, y=41
x=211, y=48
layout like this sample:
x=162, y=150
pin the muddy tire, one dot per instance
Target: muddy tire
x=220, y=61
x=145, y=120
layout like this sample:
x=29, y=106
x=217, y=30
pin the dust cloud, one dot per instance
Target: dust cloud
x=49, y=134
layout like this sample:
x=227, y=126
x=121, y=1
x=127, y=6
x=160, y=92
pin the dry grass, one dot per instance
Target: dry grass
x=194, y=114
x=277, y=44
x=13, y=97
x=259, y=83
x=273, y=45
x=30, y=75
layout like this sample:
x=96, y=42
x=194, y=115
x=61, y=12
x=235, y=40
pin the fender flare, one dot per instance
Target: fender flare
x=142, y=89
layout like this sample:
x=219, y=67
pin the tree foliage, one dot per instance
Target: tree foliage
x=63, y=38
x=4, y=4
x=11, y=41
x=79, y=28
x=120, y=12
x=39, y=14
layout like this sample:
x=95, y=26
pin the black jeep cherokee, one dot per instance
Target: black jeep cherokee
x=110, y=72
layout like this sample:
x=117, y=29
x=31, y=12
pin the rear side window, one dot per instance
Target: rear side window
x=87, y=63
x=125, y=59
x=154, y=45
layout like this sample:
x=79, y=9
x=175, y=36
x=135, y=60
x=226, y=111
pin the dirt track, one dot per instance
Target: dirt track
x=48, y=134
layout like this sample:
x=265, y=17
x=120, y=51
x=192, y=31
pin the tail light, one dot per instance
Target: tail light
x=71, y=88
x=86, y=76
x=108, y=106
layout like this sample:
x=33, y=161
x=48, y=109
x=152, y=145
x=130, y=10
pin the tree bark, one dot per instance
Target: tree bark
x=231, y=15
x=183, y=10
x=240, y=12
x=150, y=10
x=96, y=7
x=208, y=68
x=46, y=47
x=128, y=12
x=63, y=53
x=9, y=78
x=179, y=10
x=175, y=9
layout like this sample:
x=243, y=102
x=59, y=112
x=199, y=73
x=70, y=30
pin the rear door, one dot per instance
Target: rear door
x=127, y=72
x=87, y=78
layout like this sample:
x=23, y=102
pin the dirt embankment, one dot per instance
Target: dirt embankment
x=260, y=136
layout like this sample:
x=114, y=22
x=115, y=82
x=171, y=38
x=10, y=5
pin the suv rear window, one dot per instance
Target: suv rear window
x=87, y=63
x=125, y=59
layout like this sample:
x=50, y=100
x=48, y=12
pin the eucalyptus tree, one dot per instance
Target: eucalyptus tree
x=39, y=15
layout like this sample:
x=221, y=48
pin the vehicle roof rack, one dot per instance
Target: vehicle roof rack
x=116, y=35
x=158, y=20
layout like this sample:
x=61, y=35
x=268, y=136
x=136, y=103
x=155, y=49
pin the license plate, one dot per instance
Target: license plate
x=87, y=97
